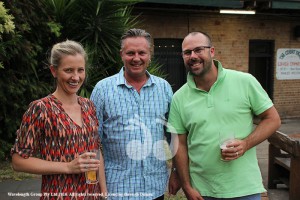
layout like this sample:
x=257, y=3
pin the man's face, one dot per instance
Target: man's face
x=197, y=54
x=135, y=56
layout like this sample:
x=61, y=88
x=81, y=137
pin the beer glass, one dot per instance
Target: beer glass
x=225, y=137
x=92, y=177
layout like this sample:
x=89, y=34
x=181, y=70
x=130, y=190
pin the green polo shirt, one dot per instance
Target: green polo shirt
x=229, y=105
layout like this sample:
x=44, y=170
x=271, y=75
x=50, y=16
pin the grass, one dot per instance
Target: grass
x=180, y=196
x=7, y=173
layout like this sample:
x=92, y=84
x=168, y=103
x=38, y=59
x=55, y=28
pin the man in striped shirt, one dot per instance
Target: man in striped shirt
x=132, y=107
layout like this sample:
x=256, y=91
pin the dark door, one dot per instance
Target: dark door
x=261, y=66
x=168, y=53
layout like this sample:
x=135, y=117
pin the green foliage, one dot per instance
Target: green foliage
x=55, y=28
x=6, y=147
x=22, y=54
x=155, y=68
x=38, y=24
x=98, y=25
x=6, y=26
x=104, y=24
x=6, y=23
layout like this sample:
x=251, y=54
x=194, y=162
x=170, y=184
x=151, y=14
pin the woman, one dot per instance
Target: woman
x=59, y=132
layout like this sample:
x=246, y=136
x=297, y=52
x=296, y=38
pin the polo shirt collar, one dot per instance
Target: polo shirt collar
x=221, y=74
x=122, y=81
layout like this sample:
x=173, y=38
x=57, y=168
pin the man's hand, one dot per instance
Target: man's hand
x=174, y=182
x=192, y=194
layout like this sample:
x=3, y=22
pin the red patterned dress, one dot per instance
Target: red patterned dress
x=49, y=133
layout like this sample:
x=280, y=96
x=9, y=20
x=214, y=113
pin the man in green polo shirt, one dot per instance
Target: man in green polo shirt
x=214, y=100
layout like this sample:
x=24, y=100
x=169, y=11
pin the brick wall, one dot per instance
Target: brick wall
x=231, y=35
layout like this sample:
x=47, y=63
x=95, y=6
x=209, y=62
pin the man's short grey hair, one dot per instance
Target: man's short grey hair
x=134, y=32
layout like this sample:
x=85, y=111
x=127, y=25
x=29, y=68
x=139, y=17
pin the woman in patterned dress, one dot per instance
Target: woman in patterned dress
x=59, y=132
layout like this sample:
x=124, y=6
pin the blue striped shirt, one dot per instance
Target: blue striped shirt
x=132, y=130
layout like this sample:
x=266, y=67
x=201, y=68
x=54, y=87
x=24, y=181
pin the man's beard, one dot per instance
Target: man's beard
x=206, y=68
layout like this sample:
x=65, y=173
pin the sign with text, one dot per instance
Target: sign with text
x=288, y=64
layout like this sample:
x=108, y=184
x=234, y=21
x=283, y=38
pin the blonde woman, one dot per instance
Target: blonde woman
x=59, y=132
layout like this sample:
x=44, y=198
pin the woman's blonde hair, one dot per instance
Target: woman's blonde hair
x=65, y=48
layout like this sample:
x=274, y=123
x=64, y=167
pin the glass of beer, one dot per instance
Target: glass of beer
x=92, y=177
x=225, y=137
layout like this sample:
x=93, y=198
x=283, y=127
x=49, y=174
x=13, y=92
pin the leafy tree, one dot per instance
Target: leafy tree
x=21, y=54
x=38, y=24
x=24, y=77
x=98, y=25
x=6, y=26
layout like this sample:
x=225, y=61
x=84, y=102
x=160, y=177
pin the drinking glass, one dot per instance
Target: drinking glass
x=92, y=177
x=225, y=137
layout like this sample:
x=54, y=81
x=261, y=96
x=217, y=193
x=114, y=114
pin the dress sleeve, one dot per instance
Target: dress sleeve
x=27, y=143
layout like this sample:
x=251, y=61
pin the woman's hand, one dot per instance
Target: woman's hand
x=84, y=162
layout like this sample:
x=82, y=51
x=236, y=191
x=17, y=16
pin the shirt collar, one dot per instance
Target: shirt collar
x=221, y=74
x=122, y=81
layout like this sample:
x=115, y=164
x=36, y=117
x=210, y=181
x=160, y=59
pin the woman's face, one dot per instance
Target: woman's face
x=70, y=74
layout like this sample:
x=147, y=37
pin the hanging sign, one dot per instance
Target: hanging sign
x=288, y=64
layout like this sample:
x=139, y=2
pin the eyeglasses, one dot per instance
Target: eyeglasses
x=198, y=51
